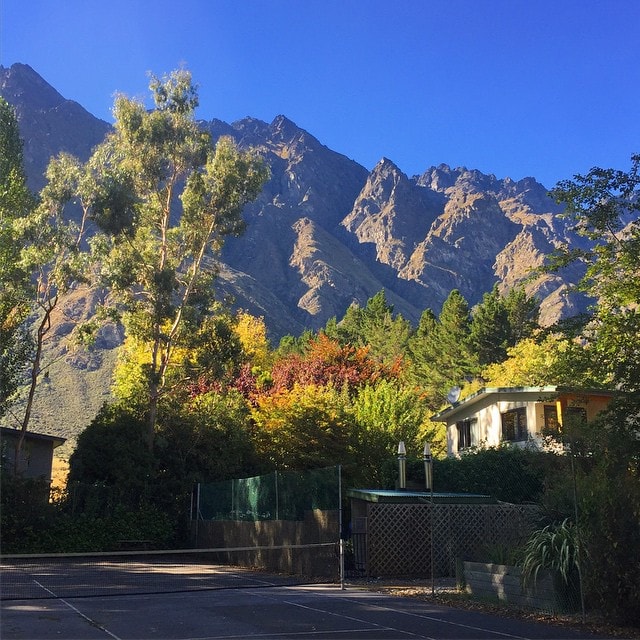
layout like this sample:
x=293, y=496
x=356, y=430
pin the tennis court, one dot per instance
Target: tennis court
x=177, y=598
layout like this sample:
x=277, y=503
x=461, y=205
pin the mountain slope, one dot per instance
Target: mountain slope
x=416, y=237
x=326, y=232
x=48, y=122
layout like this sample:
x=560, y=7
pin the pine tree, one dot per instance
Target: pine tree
x=441, y=350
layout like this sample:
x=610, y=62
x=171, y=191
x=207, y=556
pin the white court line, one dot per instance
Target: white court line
x=378, y=627
x=408, y=613
x=93, y=623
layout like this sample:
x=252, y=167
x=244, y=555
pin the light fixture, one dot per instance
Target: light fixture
x=402, y=465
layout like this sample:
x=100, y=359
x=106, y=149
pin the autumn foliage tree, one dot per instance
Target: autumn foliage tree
x=327, y=362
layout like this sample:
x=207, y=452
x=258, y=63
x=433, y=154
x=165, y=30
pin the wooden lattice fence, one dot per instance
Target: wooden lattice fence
x=395, y=539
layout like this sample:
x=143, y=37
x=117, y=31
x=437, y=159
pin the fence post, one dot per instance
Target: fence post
x=340, y=533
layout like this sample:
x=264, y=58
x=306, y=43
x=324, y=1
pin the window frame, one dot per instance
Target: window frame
x=468, y=425
x=519, y=425
x=551, y=425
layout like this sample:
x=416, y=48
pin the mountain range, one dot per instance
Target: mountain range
x=327, y=232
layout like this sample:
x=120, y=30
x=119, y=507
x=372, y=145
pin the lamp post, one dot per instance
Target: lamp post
x=428, y=479
x=402, y=465
x=428, y=467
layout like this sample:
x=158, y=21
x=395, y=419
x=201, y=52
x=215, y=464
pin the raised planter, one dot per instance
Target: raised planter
x=504, y=583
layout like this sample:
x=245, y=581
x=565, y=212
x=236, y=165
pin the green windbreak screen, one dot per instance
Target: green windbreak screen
x=281, y=495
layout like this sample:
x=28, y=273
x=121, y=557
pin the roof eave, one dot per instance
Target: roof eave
x=485, y=392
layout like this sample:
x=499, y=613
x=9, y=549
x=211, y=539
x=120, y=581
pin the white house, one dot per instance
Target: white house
x=516, y=414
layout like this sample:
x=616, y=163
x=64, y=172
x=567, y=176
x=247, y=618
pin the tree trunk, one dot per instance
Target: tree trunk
x=43, y=328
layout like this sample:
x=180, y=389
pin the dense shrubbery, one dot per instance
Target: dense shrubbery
x=509, y=474
x=607, y=493
x=97, y=523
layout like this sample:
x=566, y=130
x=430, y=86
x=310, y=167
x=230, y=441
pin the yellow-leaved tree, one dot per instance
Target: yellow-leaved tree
x=539, y=361
x=305, y=427
x=252, y=332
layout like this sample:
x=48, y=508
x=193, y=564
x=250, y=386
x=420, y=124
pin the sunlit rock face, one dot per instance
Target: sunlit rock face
x=326, y=232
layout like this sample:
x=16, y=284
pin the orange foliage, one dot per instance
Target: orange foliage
x=326, y=362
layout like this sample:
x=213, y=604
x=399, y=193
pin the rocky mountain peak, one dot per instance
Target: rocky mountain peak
x=326, y=232
x=21, y=86
x=49, y=123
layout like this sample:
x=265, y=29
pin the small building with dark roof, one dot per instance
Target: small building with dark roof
x=36, y=455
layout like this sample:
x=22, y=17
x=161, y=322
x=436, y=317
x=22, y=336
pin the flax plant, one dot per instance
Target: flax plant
x=555, y=547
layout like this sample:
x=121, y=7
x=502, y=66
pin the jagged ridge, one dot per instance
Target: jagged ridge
x=326, y=232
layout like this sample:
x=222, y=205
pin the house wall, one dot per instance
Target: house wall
x=483, y=433
x=36, y=458
x=488, y=428
x=592, y=403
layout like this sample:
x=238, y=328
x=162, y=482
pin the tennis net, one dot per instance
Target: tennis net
x=50, y=576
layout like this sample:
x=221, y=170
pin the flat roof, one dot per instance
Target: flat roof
x=553, y=390
x=395, y=496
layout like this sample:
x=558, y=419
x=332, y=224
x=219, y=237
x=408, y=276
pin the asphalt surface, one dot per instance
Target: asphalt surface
x=286, y=612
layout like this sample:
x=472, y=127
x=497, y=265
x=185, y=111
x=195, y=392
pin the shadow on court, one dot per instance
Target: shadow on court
x=267, y=612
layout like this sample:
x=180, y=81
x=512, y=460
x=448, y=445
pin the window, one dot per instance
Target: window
x=465, y=430
x=551, y=423
x=572, y=415
x=514, y=425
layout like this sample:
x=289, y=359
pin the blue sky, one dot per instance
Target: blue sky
x=542, y=88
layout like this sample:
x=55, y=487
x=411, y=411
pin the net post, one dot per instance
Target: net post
x=197, y=510
x=341, y=542
x=275, y=477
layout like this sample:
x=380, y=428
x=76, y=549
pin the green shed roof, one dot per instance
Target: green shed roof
x=406, y=496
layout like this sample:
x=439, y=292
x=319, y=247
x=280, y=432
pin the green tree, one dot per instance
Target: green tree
x=441, y=349
x=490, y=331
x=112, y=451
x=56, y=257
x=523, y=313
x=16, y=203
x=500, y=322
x=604, y=206
x=375, y=327
x=386, y=413
x=290, y=345
x=189, y=196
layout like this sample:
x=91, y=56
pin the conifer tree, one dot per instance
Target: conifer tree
x=490, y=328
x=374, y=327
x=500, y=322
x=441, y=351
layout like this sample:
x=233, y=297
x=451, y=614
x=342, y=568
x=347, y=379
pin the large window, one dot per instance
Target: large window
x=464, y=433
x=551, y=422
x=514, y=425
x=572, y=416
